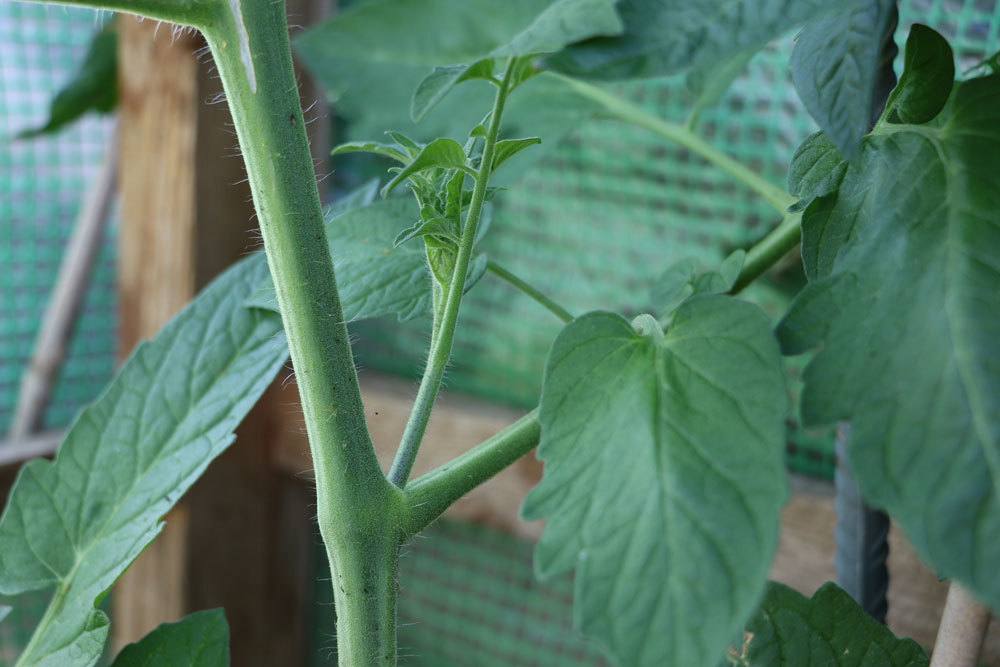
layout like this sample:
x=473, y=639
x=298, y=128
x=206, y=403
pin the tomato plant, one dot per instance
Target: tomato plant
x=662, y=435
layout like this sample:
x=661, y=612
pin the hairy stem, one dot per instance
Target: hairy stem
x=357, y=508
x=440, y=353
x=430, y=495
x=531, y=291
x=183, y=12
x=630, y=113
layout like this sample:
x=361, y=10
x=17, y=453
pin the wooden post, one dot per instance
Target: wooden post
x=242, y=537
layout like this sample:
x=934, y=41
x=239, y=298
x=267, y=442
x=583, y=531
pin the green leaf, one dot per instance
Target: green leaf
x=94, y=87
x=827, y=629
x=77, y=522
x=664, y=476
x=375, y=147
x=375, y=277
x=928, y=75
x=442, y=32
x=439, y=83
x=836, y=66
x=817, y=169
x=664, y=37
x=508, y=148
x=200, y=639
x=438, y=154
x=438, y=227
x=688, y=277
x=904, y=263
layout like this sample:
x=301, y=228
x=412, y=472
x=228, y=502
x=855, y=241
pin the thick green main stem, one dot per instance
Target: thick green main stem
x=357, y=508
x=440, y=353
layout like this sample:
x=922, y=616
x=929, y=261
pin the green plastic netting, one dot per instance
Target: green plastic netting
x=42, y=182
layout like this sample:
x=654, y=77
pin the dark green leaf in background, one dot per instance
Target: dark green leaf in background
x=94, y=87
x=664, y=37
x=451, y=32
x=664, y=476
x=790, y=630
x=928, y=75
x=76, y=523
x=904, y=263
x=200, y=639
x=836, y=66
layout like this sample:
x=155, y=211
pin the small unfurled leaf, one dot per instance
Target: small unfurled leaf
x=441, y=32
x=836, y=67
x=78, y=522
x=903, y=261
x=411, y=147
x=375, y=277
x=688, y=277
x=438, y=154
x=438, y=227
x=816, y=170
x=508, y=148
x=707, y=84
x=438, y=83
x=375, y=147
x=94, y=87
x=664, y=476
x=200, y=639
x=928, y=76
x=664, y=37
x=828, y=629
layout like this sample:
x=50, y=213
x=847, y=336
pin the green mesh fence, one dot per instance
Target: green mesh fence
x=42, y=182
x=613, y=205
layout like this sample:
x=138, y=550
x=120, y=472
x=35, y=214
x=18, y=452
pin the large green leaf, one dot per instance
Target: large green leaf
x=447, y=32
x=200, y=639
x=76, y=523
x=94, y=87
x=541, y=107
x=836, y=67
x=827, y=629
x=904, y=268
x=375, y=277
x=928, y=74
x=663, y=476
x=666, y=36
